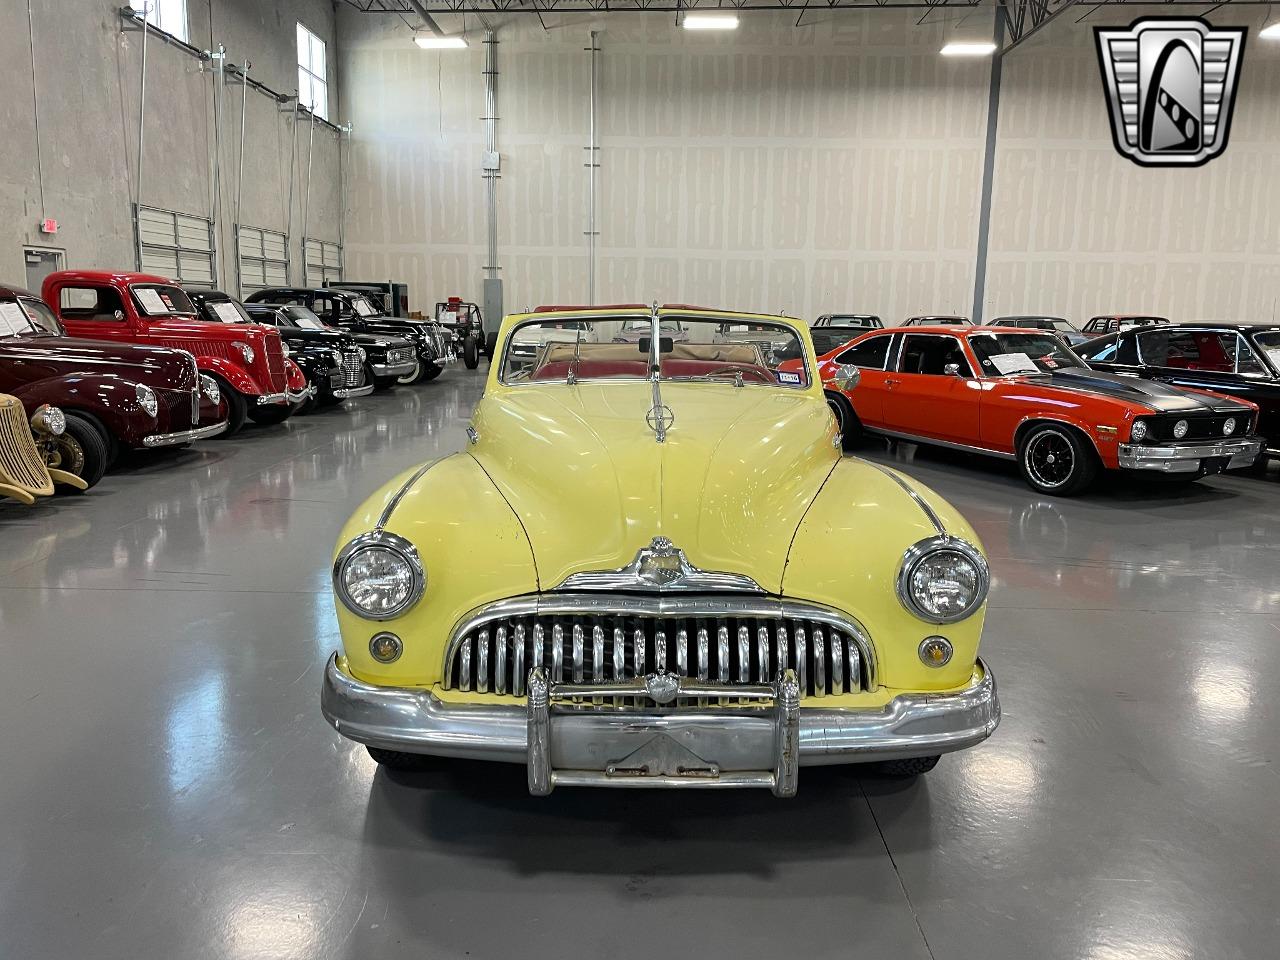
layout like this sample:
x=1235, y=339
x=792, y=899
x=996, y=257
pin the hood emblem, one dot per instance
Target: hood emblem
x=660, y=567
x=662, y=687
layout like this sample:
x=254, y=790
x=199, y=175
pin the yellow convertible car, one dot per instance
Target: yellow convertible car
x=652, y=567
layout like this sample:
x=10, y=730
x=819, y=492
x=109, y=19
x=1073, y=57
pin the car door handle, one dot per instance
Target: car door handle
x=889, y=381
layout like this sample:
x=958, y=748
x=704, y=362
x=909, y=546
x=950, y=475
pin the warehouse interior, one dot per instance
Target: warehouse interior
x=172, y=787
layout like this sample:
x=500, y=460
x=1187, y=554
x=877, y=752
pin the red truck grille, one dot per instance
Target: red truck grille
x=275, y=364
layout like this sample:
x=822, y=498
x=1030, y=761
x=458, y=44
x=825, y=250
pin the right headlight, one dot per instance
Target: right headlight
x=1138, y=431
x=48, y=421
x=246, y=351
x=943, y=580
x=378, y=576
x=209, y=387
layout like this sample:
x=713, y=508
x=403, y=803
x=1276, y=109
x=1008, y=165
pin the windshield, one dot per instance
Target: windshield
x=159, y=300
x=24, y=316
x=1269, y=343
x=363, y=307
x=694, y=349
x=1009, y=354
x=227, y=311
x=304, y=318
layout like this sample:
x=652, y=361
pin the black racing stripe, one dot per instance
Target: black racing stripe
x=1160, y=397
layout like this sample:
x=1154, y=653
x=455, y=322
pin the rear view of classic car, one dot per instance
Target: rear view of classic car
x=1058, y=325
x=246, y=362
x=114, y=396
x=624, y=625
x=31, y=461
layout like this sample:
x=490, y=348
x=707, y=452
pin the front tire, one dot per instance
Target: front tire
x=910, y=767
x=430, y=372
x=271, y=415
x=1056, y=459
x=847, y=421
x=413, y=375
x=237, y=407
x=82, y=450
x=470, y=353
x=396, y=760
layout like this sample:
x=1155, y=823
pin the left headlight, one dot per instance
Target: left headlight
x=337, y=357
x=943, y=579
x=246, y=351
x=362, y=354
x=146, y=399
x=48, y=421
x=284, y=349
x=209, y=387
x=378, y=576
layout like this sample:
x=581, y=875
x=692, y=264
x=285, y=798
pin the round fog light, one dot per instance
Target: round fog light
x=1138, y=431
x=936, y=651
x=1229, y=427
x=1180, y=429
x=386, y=647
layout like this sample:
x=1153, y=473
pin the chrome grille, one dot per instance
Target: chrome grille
x=603, y=639
x=352, y=369
x=399, y=355
x=20, y=461
x=183, y=408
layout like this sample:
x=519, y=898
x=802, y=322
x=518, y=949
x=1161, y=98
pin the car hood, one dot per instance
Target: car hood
x=317, y=338
x=584, y=474
x=154, y=366
x=379, y=339
x=1159, y=397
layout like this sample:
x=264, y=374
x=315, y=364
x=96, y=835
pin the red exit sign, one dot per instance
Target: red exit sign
x=49, y=226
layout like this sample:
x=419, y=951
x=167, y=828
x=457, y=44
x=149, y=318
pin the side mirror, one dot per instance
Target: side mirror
x=119, y=315
x=846, y=377
x=952, y=369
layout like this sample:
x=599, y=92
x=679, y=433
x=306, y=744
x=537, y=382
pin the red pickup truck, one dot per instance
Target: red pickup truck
x=247, y=360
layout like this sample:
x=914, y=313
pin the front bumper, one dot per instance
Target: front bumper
x=573, y=745
x=266, y=399
x=1189, y=457
x=306, y=393
x=392, y=369
x=184, y=436
x=346, y=393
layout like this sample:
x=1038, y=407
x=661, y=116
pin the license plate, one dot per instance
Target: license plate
x=1214, y=465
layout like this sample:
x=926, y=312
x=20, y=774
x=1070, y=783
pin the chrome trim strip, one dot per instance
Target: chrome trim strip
x=927, y=510
x=394, y=502
x=413, y=719
x=482, y=662
x=663, y=567
x=184, y=436
x=346, y=393
x=305, y=393
x=913, y=438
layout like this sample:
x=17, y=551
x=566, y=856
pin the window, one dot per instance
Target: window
x=870, y=353
x=172, y=244
x=313, y=80
x=322, y=262
x=1102, y=350
x=931, y=355
x=167, y=15
x=1213, y=351
x=91, y=303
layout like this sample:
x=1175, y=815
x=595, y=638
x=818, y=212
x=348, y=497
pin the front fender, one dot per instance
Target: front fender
x=109, y=399
x=231, y=372
x=847, y=553
x=473, y=550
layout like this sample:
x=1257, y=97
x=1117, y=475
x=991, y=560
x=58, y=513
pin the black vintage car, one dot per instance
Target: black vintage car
x=1240, y=360
x=864, y=321
x=826, y=339
x=1041, y=321
x=354, y=312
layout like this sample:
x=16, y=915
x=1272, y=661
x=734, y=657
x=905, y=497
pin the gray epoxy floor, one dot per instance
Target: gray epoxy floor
x=168, y=788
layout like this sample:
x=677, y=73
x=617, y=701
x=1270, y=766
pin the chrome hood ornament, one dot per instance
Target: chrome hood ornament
x=660, y=567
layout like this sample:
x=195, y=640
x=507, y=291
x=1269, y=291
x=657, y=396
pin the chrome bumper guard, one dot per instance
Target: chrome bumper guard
x=392, y=369
x=1188, y=457
x=184, y=436
x=263, y=399
x=346, y=393
x=568, y=738
x=306, y=393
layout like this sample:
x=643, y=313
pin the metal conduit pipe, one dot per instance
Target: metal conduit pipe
x=593, y=166
x=293, y=176
x=306, y=205
x=491, y=148
x=219, y=87
x=244, y=103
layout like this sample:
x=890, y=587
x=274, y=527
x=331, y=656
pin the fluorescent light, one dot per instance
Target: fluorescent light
x=1271, y=31
x=968, y=50
x=429, y=41
x=709, y=21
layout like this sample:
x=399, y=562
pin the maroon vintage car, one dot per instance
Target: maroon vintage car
x=246, y=360
x=114, y=395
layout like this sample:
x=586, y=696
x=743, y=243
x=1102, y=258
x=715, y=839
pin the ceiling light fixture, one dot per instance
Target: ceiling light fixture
x=1271, y=31
x=429, y=41
x=709, y=21
x=968, y=49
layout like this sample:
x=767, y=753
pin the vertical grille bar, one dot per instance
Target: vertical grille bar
x=517, y=673
x=762, y=652
x=704, y=655
x=782, y=649
x=819, y=664
x=577, y=652
x=465, y=680
x=682, y=652
x=482, y=667
x=722, y=657
x=837, y=664
x=660, y=651
x=637, y=652
x=557, y=653
x=744, y=654
x=619, y=655
x=855, y=667
x=500, y=656
x=802, y=659
x=597, y=654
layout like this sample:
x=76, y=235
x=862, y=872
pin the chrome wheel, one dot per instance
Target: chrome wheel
x=1050, y=459
x=69, y=455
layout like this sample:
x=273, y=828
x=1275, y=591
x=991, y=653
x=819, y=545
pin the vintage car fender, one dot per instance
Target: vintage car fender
x=466, y=564
x=878, y=514
x=109, y=400
x=230, y=371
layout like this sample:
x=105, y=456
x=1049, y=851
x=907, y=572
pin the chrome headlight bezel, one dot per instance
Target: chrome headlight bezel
x=146, y=398
x=48, y=421
x=398, y=545
x=1180, y=429
x=246, y=351
x=209, y=387
x=1229, y=426
x=1138, y=431
x=931, y=547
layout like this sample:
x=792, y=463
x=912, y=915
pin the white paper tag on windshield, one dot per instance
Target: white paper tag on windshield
x=306, y=323
x=1274, y=354
x=1013, y=363
x=227, y=312
x=364, y=308
x=13, y=319
x=150, y=300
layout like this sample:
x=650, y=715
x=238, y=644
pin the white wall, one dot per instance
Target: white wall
x=831, y=167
